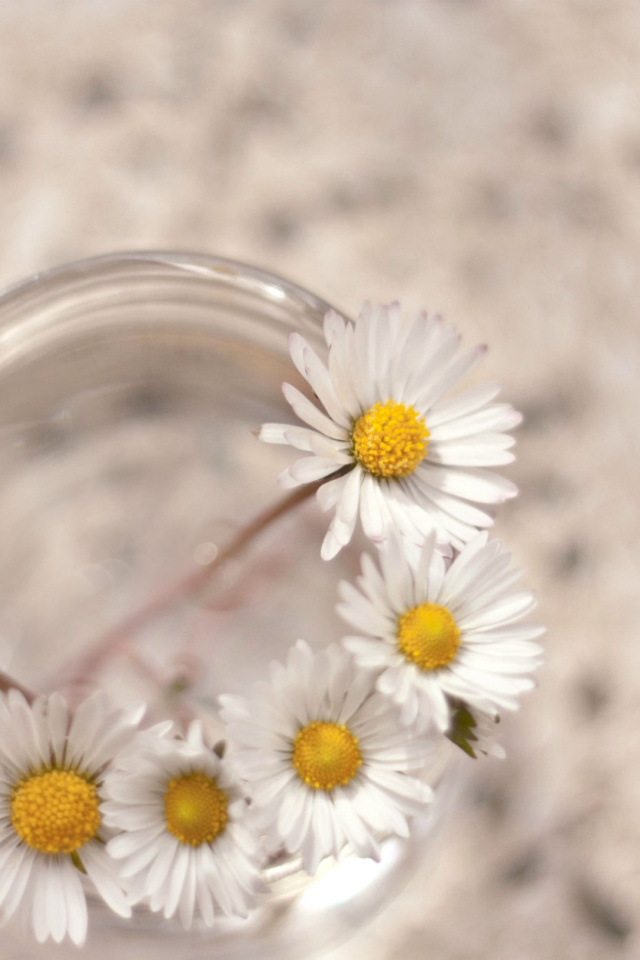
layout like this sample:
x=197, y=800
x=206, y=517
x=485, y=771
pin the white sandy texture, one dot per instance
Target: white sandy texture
x=477, y=157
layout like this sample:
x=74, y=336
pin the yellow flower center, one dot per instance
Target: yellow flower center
x=195, y=809
x=390, y=440
x=428, y=636
x=55, y=811
x=326, y=755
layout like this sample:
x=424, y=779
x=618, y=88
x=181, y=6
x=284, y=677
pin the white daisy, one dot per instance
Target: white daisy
x=442, y=630
x=325, y=757
x=52, y=831
x=185, y=840
x=401, y=453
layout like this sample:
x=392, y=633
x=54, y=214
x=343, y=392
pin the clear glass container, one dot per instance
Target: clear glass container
x=130, y=389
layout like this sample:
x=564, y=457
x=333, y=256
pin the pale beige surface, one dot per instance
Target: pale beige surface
x=478, y=158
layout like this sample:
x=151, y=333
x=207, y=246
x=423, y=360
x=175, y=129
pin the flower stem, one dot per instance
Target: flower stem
x=187, y=586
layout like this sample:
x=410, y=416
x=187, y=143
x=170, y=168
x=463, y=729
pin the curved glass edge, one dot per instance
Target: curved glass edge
x=272, y=287
x=68, y=298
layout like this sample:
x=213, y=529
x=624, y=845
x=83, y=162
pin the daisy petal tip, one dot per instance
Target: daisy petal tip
x=286, y=482
x=134, y=714
x=330, y=548
x=509, y=492
x=288, y=390
x=78, y=939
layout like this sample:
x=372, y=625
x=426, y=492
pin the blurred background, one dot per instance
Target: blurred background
x=480, y=159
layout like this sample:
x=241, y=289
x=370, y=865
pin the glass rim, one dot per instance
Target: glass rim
x=273, y=286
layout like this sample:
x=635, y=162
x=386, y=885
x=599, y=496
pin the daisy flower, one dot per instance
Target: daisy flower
x=52, y=831
x=392, y=448
x=439, y=630
x=325, y=757
x=185, y=840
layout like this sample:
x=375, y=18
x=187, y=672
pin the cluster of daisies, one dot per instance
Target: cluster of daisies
x=329, y=753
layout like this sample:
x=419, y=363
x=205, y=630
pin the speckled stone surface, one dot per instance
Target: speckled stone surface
x=481, y=159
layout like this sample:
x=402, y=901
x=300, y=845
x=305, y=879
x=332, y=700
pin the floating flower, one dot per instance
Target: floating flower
x=400, y=452
x=436, y=631
x=184, y=841
x=325, y=758
x=52, y=830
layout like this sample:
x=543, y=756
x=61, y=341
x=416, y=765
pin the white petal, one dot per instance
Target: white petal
x=374, y=513
x=58, y=721
x=314, y=371
x=188, y=898
x=176, y=881
x=40, y=914
x=319, y=841
x=284, y=433
x=56, y=900
x=504, y=611
x=495, y=418
x=486, y=450
x=449, y=377
x=453, y=506
x=346, y=375
x=469, y=483
x=161, y=866
x=12, y=855
x=312, y=468
x=76, y=911
x=85, y=727
x=463, y=403
x=27, y=865
x=347, y=505
x=103, y=874
x=354, y=827
x=330, y=492
x=308, y=412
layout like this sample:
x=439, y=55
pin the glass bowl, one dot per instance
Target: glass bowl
x=130, y=389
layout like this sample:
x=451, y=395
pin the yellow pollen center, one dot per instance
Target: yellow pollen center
x=428, y=636
x=390, y=440
x=326, y=755
x=55, y=811
x=195, y=809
